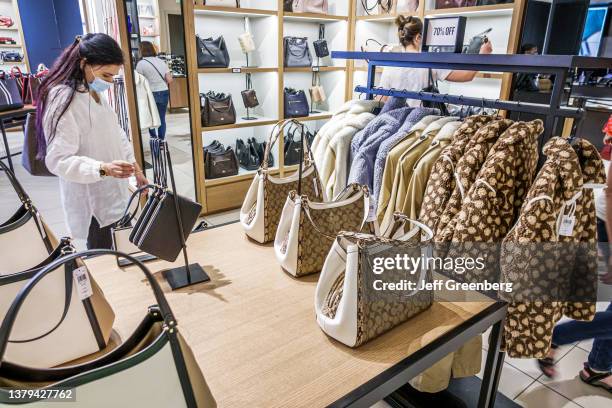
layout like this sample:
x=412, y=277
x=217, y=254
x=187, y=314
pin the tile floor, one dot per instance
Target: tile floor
x=521, y=380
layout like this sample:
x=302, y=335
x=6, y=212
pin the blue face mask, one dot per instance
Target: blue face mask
x=99, y=85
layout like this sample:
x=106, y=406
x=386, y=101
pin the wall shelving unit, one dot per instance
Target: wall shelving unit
x=9, y=8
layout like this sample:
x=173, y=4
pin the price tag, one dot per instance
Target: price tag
x=315, y=69
x=566, y=228
x=83, y=284
x=236, y=70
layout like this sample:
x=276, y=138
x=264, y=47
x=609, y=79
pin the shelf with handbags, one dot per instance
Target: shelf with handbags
x=316, y=10
x=386, y=10
x=232, y=8
x=306, y=44
x=325, y=89
x=466, y=7
x=12, y=43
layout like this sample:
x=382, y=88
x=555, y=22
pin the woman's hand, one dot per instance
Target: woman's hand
x=141, y=180
x=118, y=169
x=486, y=48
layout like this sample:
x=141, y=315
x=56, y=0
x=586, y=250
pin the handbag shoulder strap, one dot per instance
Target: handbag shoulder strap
x=23, y=196
x=155, y=68
x=321, y=31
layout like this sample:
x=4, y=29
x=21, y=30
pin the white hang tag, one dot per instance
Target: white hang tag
x=83, y=284
x=566, y=228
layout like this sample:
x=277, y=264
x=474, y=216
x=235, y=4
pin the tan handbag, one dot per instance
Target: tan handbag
x=247, y=44
x=307, y=229
x=347, y=304
x=154, y=367
x=263, y=204
x=65, y=318
x=317, y=93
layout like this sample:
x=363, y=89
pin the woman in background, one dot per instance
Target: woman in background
x=159, y=76
x=410, y=33
x=81, y=139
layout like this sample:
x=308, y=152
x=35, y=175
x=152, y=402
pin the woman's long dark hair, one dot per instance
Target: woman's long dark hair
x=96, y=49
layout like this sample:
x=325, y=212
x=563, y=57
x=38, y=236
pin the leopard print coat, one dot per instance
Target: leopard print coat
x=553, y=273
x=441, y=181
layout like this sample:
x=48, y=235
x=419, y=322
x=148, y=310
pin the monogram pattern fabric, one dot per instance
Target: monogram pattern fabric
x=492, y=203
x=564, y=266
x=466, y=170
x=378, y=313
x=316, y=240
x=275, y=195
x=441, y=181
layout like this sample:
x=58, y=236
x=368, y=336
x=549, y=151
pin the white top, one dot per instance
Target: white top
x=87, y=135
x=410, y=79
x=600, y=197
x=155, y=70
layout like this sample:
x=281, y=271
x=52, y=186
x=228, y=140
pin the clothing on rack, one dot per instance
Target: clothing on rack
x=148, y=114
x=564, y=272
x=331, y=146
x=442, y=181
x=415, y=116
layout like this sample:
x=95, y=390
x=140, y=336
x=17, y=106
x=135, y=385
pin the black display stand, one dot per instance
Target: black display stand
x=189, y=274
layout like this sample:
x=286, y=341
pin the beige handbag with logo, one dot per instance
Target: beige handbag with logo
x=317, y=93
x=348, y=303
x=65, y=318
x=153, y=368
x=263, y=204
x=307, y=229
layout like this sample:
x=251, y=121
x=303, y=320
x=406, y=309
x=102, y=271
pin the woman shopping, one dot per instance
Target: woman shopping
x=80, y=137
x=159, y=76
x=410, y=33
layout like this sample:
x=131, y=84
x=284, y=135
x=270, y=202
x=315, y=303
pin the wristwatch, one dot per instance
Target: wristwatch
x=102, y=171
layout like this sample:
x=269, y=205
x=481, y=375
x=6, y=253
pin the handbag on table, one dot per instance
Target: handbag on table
x=24, y=237
x=296, y=52
x=295, y=103
x=155, y=349
x=307, y=229
x=10, y=96
x=320, y=45
x=123, y=228
x=212, y=53
x=261, y=210
x=310, y=6
x=347, y=307
x=217, y=109
x=66, y=317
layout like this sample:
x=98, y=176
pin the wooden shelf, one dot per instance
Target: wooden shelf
x=316, y=116
x=230, y=179
x=384, y=18
x=9, y=28
x=10, y=46
x=233, y=11
x=488, y=10
x=312, y=69
x=243, y=70
x=241, y=123
x=314, y=17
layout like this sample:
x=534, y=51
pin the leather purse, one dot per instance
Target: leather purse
x=155, y=348
x=295, y=103
x=30, y=160
x=248, y=158
x=310, y=6
x=317, y=93
x=67, y=317
x=260, y=149
x=212, y=53
x=296, y=52
x=9, y=56
x=249, y=96
x=247, y=44
x=347, y=307
x=288, y=5
x=7, y=40
x=220, y=164
x=10, y=96
x=24, y=238
x=217, y=109
x=262, y=206
x=320, y=45
x=433, y=88
x=293, y=146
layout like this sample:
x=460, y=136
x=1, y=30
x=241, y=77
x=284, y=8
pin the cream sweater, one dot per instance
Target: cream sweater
x=332, y=145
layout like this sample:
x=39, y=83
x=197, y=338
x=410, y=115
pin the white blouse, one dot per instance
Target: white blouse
x=87, y=135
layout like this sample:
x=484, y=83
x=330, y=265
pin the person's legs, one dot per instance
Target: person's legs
x=598, y=328
x=600, y=357
x=161, y=100
x=99, y=238
x=602, y=239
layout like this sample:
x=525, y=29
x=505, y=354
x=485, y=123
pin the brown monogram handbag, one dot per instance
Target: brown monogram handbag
x=263, y=204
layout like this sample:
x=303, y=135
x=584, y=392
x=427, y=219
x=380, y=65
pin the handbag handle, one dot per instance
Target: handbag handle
x=11, y=314
x=23, y=196
x=127, y=217
x=367, y=9
x=321, y=31
x=275, y=133
x=400, y=221
x=304, y=52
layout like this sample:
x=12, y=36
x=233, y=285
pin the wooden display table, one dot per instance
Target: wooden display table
x=254, y=333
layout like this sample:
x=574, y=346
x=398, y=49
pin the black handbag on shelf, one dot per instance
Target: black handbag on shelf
x=320, y=45
x=248, y=158
x=296, y=52
x=220, y=163
x=212, y=53
x=10, y=97
x=217, y=109
x=295, y=103
x=288, y=5
x=260, y=148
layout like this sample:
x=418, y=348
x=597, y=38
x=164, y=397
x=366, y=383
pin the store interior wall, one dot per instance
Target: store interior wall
x=48, y=27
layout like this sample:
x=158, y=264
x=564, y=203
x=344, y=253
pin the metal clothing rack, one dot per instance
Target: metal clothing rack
x=557, y=65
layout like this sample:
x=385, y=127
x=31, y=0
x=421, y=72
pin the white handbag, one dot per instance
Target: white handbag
x=153, y=368
x=24, y=240
x=263, y=205
x=65, y=318
x=222, y=3
x=307, y=229
x=247, y=44
x=310, y=6
x=347, y=305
